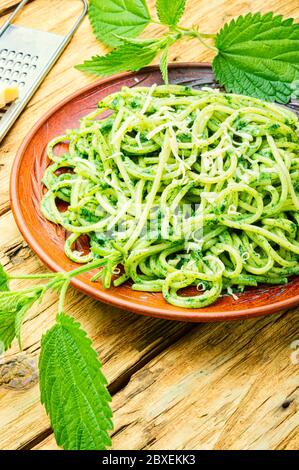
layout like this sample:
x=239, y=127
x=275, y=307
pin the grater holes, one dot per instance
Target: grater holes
x=16, y=66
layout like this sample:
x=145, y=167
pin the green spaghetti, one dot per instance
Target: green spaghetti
x=177, y=187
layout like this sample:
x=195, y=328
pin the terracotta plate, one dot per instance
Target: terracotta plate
x=47, y=240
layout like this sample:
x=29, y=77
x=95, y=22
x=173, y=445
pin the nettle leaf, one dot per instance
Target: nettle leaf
x=73, y=388
x=3, y=279
x=258, y=56
x=7, y=330
x=8, y=309
x=13, y=307
x=170, y=11
x=19, y=320
x=123, y=17
x=127, y=57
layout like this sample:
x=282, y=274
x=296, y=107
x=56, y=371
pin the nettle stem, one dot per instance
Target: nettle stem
x=68, y=277
x=193, y=33
x=86, y=267
x=32, y=276
x=62, y=296
x=208, y=35
x=58, y=281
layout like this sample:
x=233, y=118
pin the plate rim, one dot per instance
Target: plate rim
x=186, y=315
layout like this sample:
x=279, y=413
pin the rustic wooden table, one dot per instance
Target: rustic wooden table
x=175, y=386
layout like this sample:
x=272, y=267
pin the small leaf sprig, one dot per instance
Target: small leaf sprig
x=256, y=54
x=73, y=388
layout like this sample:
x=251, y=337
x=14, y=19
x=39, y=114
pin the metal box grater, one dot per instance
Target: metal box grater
x=26, y=56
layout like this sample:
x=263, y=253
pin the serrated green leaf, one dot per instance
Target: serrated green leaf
x=3, y=279
x=170, y=11
x=127, y=57
x=12, y=301
x=13, y=307
x=123, y=17
x=19, y=319
x=164, y=65
x=73, y=388
x=7, y=330
x=258, y=56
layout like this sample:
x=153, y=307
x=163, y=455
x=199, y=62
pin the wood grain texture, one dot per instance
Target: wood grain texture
x=211, y=386
x=221, y=386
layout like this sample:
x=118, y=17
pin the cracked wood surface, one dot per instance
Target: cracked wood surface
x=221, y=386
x=174, y=385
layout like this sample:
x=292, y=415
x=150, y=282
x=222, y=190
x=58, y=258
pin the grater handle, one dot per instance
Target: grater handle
x=12, y=16
x=23, y=3
x=75, y=26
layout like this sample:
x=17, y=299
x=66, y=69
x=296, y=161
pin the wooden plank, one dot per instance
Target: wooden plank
x=222, y=386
